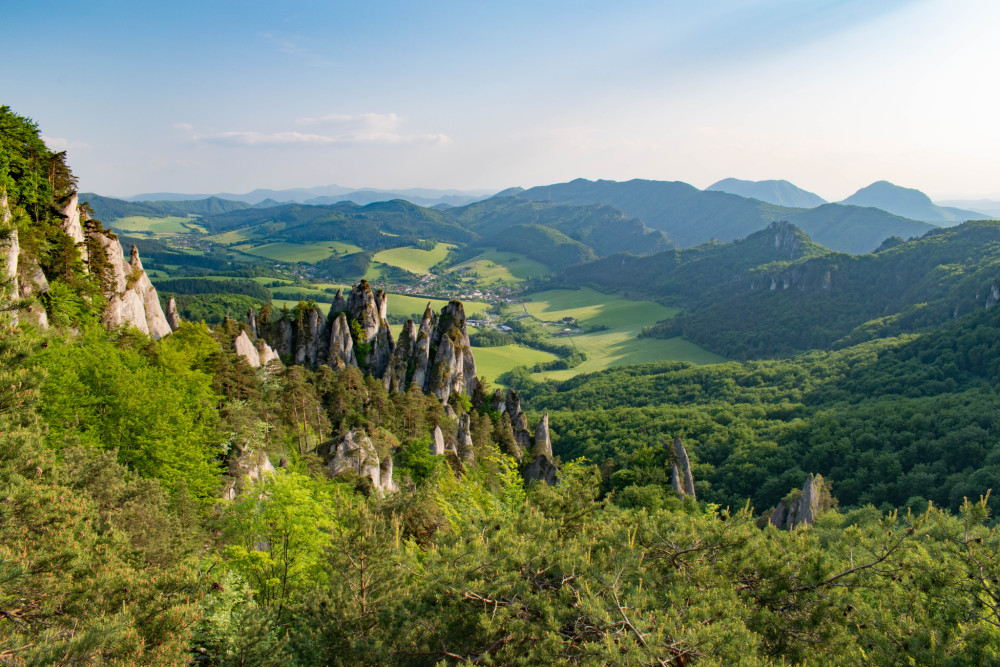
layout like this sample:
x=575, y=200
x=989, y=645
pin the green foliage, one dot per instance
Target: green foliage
x=104, y=392
x=276, y=533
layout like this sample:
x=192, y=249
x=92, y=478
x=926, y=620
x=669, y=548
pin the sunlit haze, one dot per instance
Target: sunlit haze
x=229, y=96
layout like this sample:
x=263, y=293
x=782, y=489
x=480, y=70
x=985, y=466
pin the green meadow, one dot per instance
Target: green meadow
x=618, y=344
x=412, y=259
x=172, y=225
x=493, y=266
x=301, y=252
x=491, y=362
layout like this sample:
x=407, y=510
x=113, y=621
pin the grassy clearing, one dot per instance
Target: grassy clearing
x=402, y=305
x=491, y=362
x=169, y=226
x=298, y=252
x=493, y=266
x=412, y=259
x=617, y=345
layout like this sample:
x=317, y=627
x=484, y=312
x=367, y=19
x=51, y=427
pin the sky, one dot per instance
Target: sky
x=221, y=96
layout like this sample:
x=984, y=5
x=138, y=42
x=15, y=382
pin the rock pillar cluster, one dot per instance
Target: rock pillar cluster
x=435, y=355
x=801, y=508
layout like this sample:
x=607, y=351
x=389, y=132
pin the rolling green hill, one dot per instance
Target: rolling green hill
x=815, y=299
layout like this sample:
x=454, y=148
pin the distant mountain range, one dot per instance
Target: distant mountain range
x=690, y=216
x=331, y=194
x=910, y=203
x=679, y=214
x=781, y=193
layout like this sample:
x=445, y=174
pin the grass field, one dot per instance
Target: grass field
x=412, y=259
x=493, y=266
x=493, y=361
x=300, y=252
x=171, y=225
x=618, y=345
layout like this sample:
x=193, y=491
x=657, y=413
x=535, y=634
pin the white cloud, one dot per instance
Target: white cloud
x=341, y=129
x=183, y=126
x=60, y=144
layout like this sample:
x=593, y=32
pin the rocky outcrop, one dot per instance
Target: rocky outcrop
x=132, y=299
x=397, y=370
x=356, y=453
x=437, y=442
x=73, y=226
x=543, y=444
x=340, y=350
x=156, y=321
x=309, y=336
x=31, y=283
x=802, y=508
x=518, y=420
x=173, y=317
x=10, y=250
x=542, y=469
x=267, y=355
x=246, y=349
x=465, y=448
x=251, y=322
x=453, y=370
x=247, y=467
x=681, y=478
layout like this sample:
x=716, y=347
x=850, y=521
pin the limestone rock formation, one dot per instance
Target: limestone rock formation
x=453, y=370
x=518, y=421
x=340, y=350
x=543, y=444
x=132, y=299
x=465, y=448
x=681, y=478
x=310, y=335
x=542, y=469
x=339, y=304
x=437, y=444
x=10, y=249
x=73, y=227
x=251, y=322
x=267, y=355
x=355, y=452
x=397, y=369
x=156, y=321
x=173, y=317
x=249, y=466
x=802, y=508
x=246, y=349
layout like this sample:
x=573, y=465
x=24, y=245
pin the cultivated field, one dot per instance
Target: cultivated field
x=412, y=259
x=167, y=226
x=300, y=252
x=494, y=266
x=491, y=362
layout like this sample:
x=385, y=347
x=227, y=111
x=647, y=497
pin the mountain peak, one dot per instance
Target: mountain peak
x=908, y=203
x=778, y=192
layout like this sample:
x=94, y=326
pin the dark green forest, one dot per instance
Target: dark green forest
x=133, y=532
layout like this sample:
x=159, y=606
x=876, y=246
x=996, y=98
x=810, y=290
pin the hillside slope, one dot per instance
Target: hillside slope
x=781, y=192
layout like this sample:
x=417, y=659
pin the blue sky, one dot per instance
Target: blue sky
x=227, y=96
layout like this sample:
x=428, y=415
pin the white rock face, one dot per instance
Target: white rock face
x=356, y=452
x=156, y=321
x=267, y=355
x=246, y=349
x=132, y=299
x=437, y=445
x=72, y=226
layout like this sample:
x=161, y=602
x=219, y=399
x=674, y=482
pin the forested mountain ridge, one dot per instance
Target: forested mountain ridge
x=745, y=305
x=165, y=503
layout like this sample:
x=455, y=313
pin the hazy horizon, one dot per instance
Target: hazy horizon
x=232, y=96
